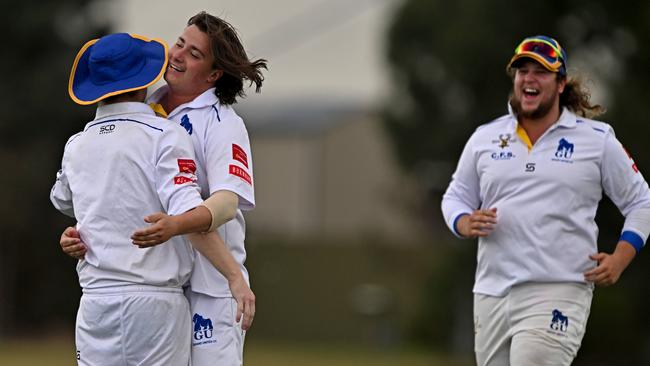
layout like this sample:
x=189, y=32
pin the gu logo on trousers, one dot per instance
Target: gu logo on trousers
x=560, y=321
x=202, y=327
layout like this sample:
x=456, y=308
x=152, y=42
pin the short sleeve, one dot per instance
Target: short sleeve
x=229, y=162
x=176, y=172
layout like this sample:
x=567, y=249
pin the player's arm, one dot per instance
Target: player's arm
x=211, y=246
x=461, y=200
x=611, y=266
x=61, y=195
x=215, y=211
x=624, y=184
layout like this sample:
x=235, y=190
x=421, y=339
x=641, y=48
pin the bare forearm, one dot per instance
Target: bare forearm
x=625, y=252
x=211, y=246
x=196, y=220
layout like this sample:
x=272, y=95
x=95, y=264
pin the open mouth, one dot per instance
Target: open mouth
x=531, y=92
x=175, y=68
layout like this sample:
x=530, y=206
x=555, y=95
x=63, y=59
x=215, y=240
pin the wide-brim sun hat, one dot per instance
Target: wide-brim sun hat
x=545, y=50
x=116, y=64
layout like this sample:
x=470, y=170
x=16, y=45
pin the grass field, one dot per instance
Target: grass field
x=61, y=353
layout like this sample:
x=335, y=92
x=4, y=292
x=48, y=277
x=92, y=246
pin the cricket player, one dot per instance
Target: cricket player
x=207, y=69
x=124, y=164
x=528, y=186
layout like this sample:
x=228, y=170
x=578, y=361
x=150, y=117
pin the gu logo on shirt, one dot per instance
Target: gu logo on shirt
x=185, y=122
x=564, y=151
x=203, y=330
x=559, y=322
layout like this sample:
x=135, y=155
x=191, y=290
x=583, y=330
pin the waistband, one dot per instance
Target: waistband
x=119, y=290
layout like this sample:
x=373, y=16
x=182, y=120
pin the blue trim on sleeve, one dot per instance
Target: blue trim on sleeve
x=632, y=238
x=598, y=129
x=456, y=222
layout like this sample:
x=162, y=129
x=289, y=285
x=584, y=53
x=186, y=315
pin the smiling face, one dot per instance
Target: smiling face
x=190, y=71
x=536, y=91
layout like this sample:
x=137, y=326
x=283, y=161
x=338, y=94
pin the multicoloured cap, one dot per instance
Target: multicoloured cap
x=116, y=64
x=545, y=50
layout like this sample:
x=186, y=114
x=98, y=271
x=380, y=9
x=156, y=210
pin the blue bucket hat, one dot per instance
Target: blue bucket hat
x=545, y=50
x=116, y=64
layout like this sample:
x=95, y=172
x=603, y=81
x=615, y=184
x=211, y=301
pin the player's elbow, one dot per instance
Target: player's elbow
x=223, y=207
x=230, y=203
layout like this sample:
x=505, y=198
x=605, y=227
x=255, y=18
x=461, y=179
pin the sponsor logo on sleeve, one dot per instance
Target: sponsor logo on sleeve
x=187, y=166
x=634, y=167
x=241, y=173
x=239, y=154
x=187, y=171
x=183, y=179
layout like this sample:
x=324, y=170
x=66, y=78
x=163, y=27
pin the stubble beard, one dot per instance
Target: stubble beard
x=542, y=109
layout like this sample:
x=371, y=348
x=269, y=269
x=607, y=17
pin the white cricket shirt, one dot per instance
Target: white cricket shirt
x=224, y=162
x=546, y=199
x=125, y=165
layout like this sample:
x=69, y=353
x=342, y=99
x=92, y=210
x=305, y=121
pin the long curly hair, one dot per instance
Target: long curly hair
x=230, y=57
x=576, y=98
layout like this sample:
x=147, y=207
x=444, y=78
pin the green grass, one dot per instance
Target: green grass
x=269, y=354
x=258, y=353
x=37, y=353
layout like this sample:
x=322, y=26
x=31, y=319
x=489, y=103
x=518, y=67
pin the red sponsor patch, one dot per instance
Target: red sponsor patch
x=634, y=167
x=239, y=154
x=182, y=180
x=241, y=173
x=187, y=166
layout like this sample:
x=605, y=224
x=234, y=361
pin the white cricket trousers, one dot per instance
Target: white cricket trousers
x=535, y=324
x=133, y=326
x=217, y=339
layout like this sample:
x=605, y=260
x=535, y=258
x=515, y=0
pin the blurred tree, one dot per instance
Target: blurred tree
x=448, y=61
x=36, y=280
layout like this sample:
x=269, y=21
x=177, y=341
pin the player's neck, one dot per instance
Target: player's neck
x=536, y=127
x=171, y=101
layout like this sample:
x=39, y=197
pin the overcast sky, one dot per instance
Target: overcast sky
x=316, y=49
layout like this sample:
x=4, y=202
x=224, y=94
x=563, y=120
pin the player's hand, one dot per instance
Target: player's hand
x=162, y=229
x=610, y=266
x=477, y=224
x=71, y=243
x=245, y=302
